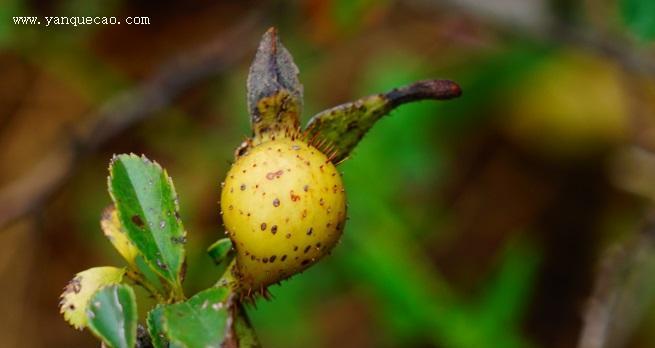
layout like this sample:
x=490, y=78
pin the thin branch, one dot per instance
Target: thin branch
x=622, y=292
x=28, y=193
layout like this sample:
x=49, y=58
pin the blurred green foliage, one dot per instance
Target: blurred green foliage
x=639, y=16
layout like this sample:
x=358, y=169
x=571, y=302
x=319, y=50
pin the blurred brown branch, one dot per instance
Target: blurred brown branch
x=28, y=193
x=622, y=292
x=533, y=19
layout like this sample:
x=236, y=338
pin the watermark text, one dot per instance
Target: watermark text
x=79, y=20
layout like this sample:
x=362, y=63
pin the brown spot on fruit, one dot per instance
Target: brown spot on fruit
x=274, y=229
x=274, y=175
x=294, y=197
x=263, y=226
x=276, y=202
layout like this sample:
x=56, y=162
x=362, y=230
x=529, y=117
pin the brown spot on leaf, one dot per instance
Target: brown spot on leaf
x=75, y=285
x=136, y=219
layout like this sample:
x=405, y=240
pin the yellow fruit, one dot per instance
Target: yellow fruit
x=284, y=208
x=570, y=106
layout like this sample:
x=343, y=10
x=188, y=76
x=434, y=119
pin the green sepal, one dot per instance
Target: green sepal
x=221, y=252
x=338, y=130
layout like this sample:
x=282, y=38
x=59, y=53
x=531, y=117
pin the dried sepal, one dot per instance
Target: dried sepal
x=76, y=295
x=274, y=91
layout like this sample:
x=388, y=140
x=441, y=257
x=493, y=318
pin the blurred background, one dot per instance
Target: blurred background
x=518, y=215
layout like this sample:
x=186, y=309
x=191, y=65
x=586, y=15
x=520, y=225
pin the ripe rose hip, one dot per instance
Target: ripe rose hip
x=284, y=208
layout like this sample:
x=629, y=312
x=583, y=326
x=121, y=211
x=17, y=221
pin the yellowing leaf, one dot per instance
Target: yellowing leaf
x=76, y=295
x=114, y=231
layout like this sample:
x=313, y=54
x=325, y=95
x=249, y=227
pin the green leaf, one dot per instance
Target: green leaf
x=221, y=251
x=199, y=322
x=337, y=131
x=639, y=16
x=76, y=294
x=147, y=207
x=112, y=316
x=274, y=91
x=155, y=327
